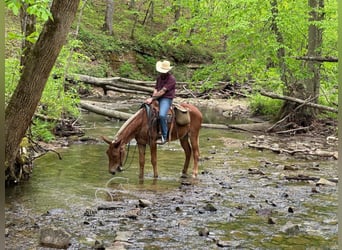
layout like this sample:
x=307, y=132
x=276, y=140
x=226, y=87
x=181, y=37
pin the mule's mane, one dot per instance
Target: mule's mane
x=123, y=127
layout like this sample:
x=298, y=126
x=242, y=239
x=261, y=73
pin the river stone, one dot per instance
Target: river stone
x=203, y=232
x=210, y=207
x=145, y=203
x=55, y=237
x=290, y=228
x=325, y=182
x=123, y=236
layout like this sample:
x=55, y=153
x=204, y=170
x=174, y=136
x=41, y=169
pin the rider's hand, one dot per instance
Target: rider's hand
x=149, y=100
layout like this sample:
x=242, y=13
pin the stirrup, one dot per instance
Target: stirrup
x=161, y=141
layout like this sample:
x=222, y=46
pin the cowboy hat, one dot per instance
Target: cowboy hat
x=163, y=66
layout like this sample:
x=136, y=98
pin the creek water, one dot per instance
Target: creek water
x=239, y=209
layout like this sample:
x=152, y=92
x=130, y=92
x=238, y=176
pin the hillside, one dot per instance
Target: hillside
x=134, y=47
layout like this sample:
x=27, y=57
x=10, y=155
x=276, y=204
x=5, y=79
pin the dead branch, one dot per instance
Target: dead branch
x=301, y=178
x=292, y=99
x=318, y=58
x=280, y=121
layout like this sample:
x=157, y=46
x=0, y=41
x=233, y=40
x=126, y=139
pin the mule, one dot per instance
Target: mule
x=142, y=127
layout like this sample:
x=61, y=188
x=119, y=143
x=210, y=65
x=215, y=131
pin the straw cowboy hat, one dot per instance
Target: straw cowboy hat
x=163, y=66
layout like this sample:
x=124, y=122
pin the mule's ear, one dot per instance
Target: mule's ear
x=106, y=140
x=116, y=143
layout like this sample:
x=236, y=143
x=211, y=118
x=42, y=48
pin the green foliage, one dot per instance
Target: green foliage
x=42, y=130
x=12, y=75
x=265, y=106
x=40, y=9
x=59, y=99
x=235, y=40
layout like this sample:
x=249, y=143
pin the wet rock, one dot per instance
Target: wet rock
x=271, y=221
x=225, y=185
x=285, y=195
x=145, y=203
x=203, y=232
x=54, y=211
x=55, y=237
x=89, y=212
x=178, y=209
x=264, y=212
x=255, y=171
x=98, y=244
x=222, y=243
x=271, y=203
x=325, y=182
x=123, y=236
x=291, y=167
x=133, y=214
x=119, y=245
x=210, y=207
x=290, y=228
x=93, y=243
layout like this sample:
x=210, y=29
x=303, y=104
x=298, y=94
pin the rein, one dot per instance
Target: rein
x=124, y=163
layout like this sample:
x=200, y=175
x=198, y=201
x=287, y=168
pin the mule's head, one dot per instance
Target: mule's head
x=116, y=153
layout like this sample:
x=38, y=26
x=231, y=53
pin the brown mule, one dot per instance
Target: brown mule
x=141, y=128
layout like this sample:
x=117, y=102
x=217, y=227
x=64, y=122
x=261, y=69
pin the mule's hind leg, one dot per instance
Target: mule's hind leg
x=194, y=139
x=187, y=150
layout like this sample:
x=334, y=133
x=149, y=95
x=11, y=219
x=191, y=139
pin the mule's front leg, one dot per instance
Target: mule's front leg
x=142, y=150
x=187, y=151
x=153, y=148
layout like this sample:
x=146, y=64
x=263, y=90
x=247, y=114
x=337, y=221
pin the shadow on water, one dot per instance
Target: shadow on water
x=239, y=210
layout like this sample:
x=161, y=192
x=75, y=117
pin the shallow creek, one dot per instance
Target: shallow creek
x=240, y=200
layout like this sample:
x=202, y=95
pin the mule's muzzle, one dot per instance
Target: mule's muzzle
x=118, y=169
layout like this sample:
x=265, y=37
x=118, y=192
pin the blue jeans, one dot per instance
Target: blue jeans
x=164, y=106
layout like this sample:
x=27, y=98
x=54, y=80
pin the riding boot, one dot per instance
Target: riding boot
x=164, y=130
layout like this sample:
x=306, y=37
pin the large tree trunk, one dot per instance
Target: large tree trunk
x=309, y=87
x=24, y=101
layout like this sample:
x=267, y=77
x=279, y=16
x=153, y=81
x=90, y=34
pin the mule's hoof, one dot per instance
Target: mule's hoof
x=184, y=176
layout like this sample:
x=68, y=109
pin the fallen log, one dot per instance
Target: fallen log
x=292, y=99
x=124, y=116
x=215, y=126
x=101, y=111
x=318, y=58
x=113, y=83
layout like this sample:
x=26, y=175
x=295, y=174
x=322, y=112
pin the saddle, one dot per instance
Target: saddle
x=177, y=115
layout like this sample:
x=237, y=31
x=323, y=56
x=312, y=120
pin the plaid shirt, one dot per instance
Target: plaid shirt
x=168, y=82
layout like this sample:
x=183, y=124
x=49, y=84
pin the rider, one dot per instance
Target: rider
x=164, y=92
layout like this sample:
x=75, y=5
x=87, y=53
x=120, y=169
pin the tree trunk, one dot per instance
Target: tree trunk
x=108, y=24
x=24, y=101
x=177, y=10
x=280, y=40
x=28, y=26
x=314, y=47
